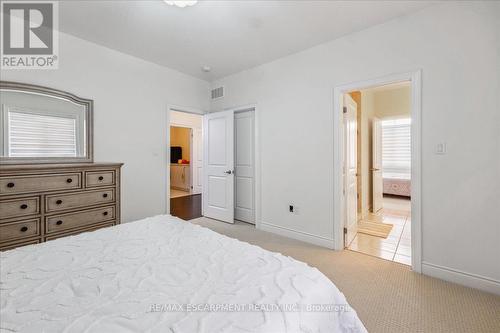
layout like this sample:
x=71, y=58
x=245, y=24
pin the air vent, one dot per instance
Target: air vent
x=218, y=93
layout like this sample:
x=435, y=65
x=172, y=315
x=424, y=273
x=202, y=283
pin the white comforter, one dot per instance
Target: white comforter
x=162, y=274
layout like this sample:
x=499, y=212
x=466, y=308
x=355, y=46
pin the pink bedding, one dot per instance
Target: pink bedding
x=397, y=186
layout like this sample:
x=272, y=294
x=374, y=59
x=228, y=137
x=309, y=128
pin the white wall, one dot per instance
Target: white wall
x=457, y=47
x=186, y=119
x=181, y=137
x=393, y=103
x=130, y=109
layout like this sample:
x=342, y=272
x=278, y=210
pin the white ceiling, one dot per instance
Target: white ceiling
x=228, y=36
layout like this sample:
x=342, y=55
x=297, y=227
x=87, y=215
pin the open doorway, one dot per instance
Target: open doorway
x=377, y=171
x=186, y=163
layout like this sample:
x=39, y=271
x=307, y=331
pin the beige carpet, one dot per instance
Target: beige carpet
x=374, y=228
x=387, y=296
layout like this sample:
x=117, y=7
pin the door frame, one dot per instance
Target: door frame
x=184, y=109
x=415, y=79
x=376, y=141
x=257, y=157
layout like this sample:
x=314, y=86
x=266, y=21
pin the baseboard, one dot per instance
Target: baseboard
x=296, y=234
x=462, y=278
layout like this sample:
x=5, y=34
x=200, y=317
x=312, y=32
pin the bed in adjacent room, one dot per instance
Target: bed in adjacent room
x=161, y=274
x=397, y=184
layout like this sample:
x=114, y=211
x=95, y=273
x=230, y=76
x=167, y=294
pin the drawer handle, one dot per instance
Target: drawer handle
x=105, y=213
x=24, y=229
x=59, y=202
x=101, y=178
x=59, y=222
x=10, y=185
x=24, y=206
x=105, y=195
x=69, y=180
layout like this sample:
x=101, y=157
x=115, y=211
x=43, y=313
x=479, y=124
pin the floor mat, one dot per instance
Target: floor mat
x=374, y=228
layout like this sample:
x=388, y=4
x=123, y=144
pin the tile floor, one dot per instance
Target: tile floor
x=397, y=246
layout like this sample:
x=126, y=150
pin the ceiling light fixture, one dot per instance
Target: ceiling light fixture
x=181, y=3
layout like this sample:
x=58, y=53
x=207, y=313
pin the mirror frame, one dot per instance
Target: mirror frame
x=88, y=104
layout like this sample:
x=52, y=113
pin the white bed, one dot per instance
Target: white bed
x=132, y=278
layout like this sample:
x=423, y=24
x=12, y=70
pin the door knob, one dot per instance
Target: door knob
x=228, y=172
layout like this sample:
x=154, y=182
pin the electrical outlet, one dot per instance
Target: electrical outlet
x=441, y=148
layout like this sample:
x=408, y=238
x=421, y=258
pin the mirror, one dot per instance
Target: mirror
x=43, y=125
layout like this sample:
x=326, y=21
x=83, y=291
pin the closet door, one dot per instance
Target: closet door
x=218, y=166
x=244, y=208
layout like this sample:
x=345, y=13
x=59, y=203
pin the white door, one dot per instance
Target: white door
x=244, y=166
x=197, y=161
x=376, y=169
x=350, y=169
x=218, y=166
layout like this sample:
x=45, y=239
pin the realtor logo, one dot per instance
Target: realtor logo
x=29, y=35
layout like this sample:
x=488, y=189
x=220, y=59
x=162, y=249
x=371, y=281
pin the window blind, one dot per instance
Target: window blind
x=396, y=147
x=41, y=135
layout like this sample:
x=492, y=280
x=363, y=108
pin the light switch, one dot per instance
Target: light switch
x=441, y=148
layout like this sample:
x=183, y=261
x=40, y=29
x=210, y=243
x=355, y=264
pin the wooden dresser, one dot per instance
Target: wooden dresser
x=42, y=202
x=180, y=175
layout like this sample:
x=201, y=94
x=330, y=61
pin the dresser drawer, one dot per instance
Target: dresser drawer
x=16, y=245
x=76, y=232
x=99, y=178
x=39, y=183
x=19, y=230
x=19, y=207
x=57, y=202
x=79, y=219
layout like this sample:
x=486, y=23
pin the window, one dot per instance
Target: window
x=396, y=147
x=32, y=134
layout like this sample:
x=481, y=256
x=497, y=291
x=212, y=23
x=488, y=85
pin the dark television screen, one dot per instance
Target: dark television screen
x=175, y=154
